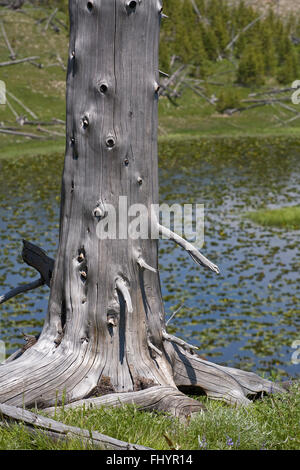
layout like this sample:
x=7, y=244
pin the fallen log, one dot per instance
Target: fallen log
x=54, y=429
x=248, y=26
x=22, y=134
x=18, y=61
x=17, y=100
x=10, y=49
x=51, y=17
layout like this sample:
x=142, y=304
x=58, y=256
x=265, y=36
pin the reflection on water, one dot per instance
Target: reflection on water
x=248, y=316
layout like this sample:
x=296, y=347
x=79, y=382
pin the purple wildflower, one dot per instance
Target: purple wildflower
x=229, y=441
x=202, y=442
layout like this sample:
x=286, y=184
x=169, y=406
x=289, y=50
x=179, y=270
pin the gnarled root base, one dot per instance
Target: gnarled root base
x=234, y=386
x=42, y=380
x=157, y=398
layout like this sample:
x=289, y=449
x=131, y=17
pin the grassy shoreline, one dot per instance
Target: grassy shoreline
x=283, y=217
x=38, y=148
x=271, y=423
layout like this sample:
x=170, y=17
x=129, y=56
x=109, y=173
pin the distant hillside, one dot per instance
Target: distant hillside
x=280, y=7
x=230, y=72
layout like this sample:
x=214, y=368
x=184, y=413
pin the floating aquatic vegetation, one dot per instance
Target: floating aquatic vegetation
x=246, y=317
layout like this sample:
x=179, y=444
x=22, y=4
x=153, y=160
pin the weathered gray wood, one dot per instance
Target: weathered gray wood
x=195, y=90
x=18, y=61
x=164, y=85
x=192, y=251
x=51, y=17
x=196, y=9
x=21, y=289
x=10, y=49
x=17, y=100
x=272, y=92
x=62, y=431
x=174, y=339
x=52, y=133
x=22, y=134
x=12, y=109
x=192, y=374
x=13, y=4
x=157, y=398
x=248, y=26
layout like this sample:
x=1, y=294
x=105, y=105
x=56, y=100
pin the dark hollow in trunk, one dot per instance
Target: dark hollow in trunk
x=105, y=328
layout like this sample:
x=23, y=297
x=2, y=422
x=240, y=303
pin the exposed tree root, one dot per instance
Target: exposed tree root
x=156, y=398
x=191, y=373
x=59, y=431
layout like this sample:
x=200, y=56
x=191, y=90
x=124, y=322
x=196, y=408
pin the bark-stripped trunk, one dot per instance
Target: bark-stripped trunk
x=105, y=328
x=111, y=152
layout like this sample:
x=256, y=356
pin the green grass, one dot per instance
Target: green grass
x=285, y=217
x=271, y=423
x=32, y=148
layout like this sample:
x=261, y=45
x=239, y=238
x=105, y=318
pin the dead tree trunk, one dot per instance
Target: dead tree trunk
x=105, y=327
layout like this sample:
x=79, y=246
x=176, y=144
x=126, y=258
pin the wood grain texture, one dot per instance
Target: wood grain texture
x=193, y=374
x=105, y=315
x=157, y=398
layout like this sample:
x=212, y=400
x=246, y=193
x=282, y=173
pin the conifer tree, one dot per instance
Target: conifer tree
x=251, y=67
x=269, y=51
x=288, y=72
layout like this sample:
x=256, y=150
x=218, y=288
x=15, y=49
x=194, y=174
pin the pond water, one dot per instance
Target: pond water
x=248, y=316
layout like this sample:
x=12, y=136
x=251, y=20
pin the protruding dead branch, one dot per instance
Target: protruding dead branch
x=192, y=251
x=38, y=259
x=123, y=289
x=173, y=339
x=21, y=289
x=154, y=348
x=142, y=263
x=173, y=314
x=164, y=85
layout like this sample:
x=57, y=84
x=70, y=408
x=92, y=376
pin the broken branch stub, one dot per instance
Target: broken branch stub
x=192, y=251
x=35, y=257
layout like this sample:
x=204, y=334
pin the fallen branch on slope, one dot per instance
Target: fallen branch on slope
x=54, y=429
